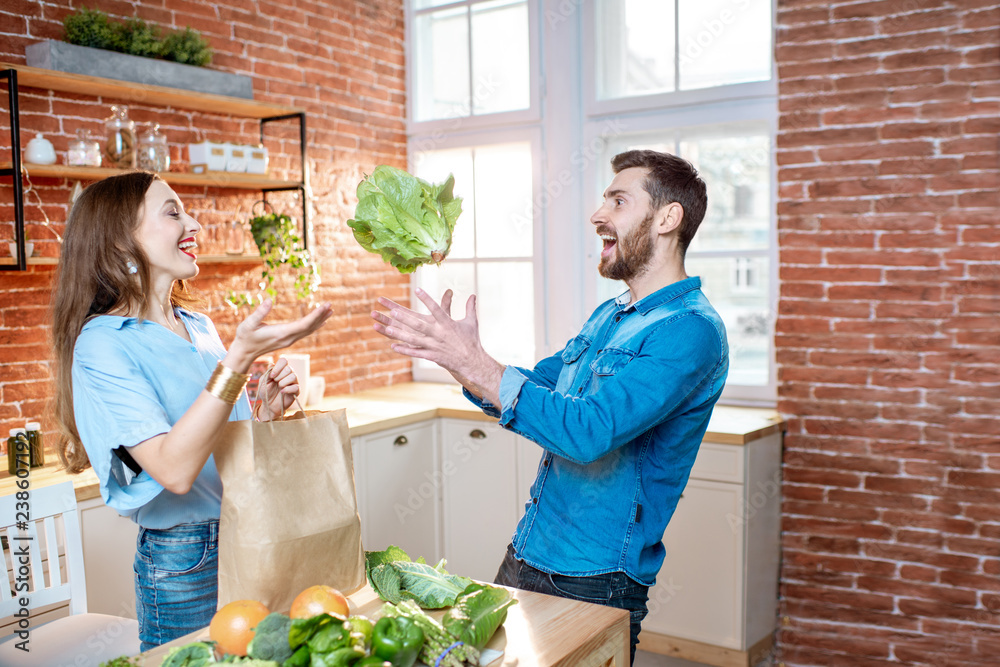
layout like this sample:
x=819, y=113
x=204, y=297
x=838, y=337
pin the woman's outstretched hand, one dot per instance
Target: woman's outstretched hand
x=255, y=338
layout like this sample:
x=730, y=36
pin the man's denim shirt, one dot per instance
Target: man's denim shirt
x=620, y=413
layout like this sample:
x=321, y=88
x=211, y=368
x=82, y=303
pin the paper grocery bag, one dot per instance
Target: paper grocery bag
x=289, y=510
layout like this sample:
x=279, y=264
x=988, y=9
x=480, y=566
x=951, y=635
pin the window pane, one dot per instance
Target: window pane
x=441, y=52
x=506, y=307
x=434, y=166
x=503, y=201
x=724, y=42
x=635, y=47
x=743, y=308
x=500, y=57
x=735, y=164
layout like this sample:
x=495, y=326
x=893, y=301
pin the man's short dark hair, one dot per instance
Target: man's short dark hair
x=670, y=179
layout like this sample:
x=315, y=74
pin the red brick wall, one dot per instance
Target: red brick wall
x=342, y=62
x=887, y=340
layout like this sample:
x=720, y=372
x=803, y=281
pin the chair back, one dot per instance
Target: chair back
x=34, y=524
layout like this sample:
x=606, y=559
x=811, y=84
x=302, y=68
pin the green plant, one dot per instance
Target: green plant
x=90, y=27
x=93, y=28
x=279, y=244
x=138, y=38
x=187, y=46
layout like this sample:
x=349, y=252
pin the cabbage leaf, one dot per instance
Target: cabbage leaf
x=477, y=613
x=404, y=218
x=394, y=577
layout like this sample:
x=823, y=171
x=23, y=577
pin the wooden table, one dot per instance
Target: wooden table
x=540, y=630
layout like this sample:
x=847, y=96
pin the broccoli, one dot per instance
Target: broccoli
x=270, y=639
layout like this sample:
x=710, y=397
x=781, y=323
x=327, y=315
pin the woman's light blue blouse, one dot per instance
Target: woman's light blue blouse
x=132, y=380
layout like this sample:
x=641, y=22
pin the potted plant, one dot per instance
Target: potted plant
x=280, y=245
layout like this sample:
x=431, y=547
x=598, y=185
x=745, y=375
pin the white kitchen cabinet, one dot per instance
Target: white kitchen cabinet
x=716, y=596
x=108, y=557
x=399, y=482
x=479, y=462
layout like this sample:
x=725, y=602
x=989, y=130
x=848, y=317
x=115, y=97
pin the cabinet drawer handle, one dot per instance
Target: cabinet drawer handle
x=400, y=441
x=477, y=434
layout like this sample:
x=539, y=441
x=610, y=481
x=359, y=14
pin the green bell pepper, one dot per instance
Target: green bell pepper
x=397, y=640
x=360, y=632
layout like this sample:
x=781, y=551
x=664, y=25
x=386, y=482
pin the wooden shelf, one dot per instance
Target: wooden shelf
x=202, y=259
x=36, y=77
x=215, y=179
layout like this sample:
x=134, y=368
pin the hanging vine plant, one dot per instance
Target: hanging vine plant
x=280, y=246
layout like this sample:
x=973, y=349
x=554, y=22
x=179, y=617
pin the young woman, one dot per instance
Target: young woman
x=144, y=384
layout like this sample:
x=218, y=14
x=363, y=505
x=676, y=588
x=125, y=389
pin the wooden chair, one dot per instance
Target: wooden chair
x=33, y=528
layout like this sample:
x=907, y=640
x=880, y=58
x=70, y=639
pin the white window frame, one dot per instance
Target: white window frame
x=445, y=126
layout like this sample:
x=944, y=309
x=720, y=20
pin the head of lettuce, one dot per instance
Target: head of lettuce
x=404, y=218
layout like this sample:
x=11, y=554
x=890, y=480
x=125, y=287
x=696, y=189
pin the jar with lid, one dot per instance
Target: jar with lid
x=18, y=447
x=34, y=433
x=120, y=149
x=84, y=151
x=154, y=155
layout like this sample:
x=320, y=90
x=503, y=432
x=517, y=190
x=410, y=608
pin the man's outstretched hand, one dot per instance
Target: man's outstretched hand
x=453, y=345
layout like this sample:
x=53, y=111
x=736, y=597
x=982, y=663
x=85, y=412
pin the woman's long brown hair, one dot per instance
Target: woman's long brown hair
x=94, y=279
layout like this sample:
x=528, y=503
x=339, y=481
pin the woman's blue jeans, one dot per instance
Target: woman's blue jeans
x=615, y=589
x=176, y=580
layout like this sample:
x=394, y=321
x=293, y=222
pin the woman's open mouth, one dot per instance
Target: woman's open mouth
x=187, y=245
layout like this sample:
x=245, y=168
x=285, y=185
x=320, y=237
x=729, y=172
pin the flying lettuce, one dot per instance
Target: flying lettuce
x=404, y=218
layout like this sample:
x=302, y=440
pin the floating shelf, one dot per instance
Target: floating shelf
x=137, y=93
x=215, y=179
x=202, y=259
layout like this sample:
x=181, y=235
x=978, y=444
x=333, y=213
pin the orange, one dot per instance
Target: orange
x=232, y=626
x=318, y=599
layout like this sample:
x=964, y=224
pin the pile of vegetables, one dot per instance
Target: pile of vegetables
x=403, y=633
x=404, y=218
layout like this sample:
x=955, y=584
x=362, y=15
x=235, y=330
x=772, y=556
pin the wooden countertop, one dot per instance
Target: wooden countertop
x=399, y=405
x=540, y=631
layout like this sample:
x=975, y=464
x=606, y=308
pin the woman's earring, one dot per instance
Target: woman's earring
x=132, y=268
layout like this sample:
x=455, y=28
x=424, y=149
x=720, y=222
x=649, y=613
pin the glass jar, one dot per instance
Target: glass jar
x=84, y=151
x=34, y=433
x=154, y=155
x=121, y=148
x=18, y=446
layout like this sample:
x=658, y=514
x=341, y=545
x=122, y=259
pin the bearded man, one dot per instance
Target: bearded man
x=620, y=411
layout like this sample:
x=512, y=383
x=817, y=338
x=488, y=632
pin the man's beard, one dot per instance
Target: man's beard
x=632, y=253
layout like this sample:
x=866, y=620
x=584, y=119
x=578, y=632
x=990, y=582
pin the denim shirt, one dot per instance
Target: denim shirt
x=620, y=413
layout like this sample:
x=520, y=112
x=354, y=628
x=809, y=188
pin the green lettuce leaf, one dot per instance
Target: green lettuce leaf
x=430, y=587
x=394, y=577
x=405, y=219
x=477, y=613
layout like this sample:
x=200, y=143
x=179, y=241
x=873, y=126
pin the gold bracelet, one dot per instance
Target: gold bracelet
x=226, y=384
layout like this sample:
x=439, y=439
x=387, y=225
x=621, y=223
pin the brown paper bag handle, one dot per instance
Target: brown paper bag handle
x=261, y=399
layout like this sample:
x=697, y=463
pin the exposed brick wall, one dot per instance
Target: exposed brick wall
x=342, y=61
x=887, y=340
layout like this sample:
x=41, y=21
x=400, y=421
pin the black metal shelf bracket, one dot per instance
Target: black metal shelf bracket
x=15, y=171
x=303, y=185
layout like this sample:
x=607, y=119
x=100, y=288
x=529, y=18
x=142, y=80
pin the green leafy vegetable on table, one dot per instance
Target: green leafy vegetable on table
x=395, y=578
x=404, y=218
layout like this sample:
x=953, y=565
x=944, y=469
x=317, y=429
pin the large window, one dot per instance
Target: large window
x=526, y=101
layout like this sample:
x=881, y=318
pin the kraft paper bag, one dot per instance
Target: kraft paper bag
x=289, y=510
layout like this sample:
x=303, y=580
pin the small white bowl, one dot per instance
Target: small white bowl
x=29, y=248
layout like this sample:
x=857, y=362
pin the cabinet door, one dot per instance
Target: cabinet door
x=400, y=494
x=698, y=594
x=480, y=501
x=108, y=556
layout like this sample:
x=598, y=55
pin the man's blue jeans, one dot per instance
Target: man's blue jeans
x=176, y=581
x=615, y=589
